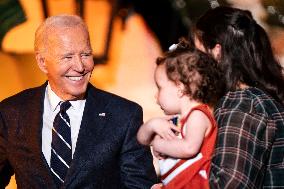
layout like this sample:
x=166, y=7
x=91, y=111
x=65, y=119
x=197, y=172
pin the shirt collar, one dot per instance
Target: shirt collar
x=54, y=100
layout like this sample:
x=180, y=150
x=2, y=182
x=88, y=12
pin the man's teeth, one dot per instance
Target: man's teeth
x=73, y=78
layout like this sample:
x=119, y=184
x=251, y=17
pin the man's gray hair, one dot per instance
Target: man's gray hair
x=55, y=22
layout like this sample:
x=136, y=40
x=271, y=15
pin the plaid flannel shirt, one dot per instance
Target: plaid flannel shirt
x=249, y=149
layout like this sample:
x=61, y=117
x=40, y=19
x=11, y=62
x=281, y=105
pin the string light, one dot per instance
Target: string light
x=213, y=3
x=180, y=6
x=272, y=10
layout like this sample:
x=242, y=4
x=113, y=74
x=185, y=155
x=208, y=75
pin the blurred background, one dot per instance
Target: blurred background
x=126, y=36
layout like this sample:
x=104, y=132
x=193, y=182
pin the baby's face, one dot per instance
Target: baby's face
x=167, y=95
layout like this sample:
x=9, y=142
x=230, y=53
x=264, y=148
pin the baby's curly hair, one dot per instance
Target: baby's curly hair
x=198, y=71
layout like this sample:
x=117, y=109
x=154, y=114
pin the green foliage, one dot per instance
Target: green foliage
x=11, y=14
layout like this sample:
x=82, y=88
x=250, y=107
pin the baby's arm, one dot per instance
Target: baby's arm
x=160, y=126
x=198, y=125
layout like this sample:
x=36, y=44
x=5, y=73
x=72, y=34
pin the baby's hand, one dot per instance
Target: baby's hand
x=157, y=154
x=164, y=127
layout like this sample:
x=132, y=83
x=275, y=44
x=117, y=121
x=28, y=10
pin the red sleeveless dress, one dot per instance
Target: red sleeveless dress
x=193, y=173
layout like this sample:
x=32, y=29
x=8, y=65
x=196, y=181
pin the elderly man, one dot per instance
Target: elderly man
x=67, y=133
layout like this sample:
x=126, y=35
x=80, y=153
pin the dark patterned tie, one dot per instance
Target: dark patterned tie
x=61, y=146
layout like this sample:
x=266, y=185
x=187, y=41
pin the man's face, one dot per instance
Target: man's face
x=68, y=62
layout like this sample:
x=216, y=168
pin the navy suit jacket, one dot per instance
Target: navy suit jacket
x=107, y=154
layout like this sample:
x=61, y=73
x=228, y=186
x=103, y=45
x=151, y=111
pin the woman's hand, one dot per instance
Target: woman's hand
x=157, y=186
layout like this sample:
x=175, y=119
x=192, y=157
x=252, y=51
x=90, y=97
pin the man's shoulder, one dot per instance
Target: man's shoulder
x=22, y=97
x=111, y=98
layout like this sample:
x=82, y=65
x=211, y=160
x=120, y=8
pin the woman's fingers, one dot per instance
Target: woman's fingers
x=157, y=186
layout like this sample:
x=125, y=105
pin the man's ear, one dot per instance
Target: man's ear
x=217, y=52
x=41, y=62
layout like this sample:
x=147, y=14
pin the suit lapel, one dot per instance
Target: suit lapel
x=32, y=119
x=94, y=118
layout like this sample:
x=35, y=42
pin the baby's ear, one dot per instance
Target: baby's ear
x=180, y=89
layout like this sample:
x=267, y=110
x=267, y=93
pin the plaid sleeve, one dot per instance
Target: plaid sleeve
x=242, y=148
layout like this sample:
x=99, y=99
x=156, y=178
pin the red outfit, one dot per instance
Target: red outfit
x=196, y=173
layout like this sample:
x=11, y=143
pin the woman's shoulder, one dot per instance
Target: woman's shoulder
x=252, y=99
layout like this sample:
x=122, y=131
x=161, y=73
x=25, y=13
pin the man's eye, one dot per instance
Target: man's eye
x=68, y=57
x=86, y=55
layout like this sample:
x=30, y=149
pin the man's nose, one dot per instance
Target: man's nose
x=79, y=64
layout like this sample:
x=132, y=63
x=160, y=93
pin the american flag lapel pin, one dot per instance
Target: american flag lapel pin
x=102, y=114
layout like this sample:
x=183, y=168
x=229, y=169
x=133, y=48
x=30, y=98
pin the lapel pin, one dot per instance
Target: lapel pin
x=102, y=114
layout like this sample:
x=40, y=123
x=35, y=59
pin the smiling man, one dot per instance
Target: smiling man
x=64, y=54
x=67, y=133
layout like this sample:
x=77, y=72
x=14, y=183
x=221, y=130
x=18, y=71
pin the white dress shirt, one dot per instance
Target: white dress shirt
x=51, y=108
